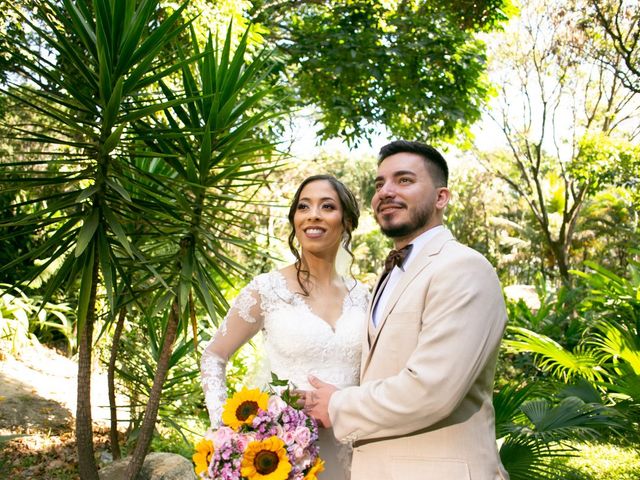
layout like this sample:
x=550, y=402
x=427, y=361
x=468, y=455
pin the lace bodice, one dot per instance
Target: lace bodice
x=297, y=342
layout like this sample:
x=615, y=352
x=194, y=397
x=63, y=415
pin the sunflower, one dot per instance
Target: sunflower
x=315, y=470
x=202, y=457
x=266, y=460
x=243, y=406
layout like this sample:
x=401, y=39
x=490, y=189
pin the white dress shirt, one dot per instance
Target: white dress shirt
x=396, y=273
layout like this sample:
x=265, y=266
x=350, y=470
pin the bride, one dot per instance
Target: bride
x=312, y=319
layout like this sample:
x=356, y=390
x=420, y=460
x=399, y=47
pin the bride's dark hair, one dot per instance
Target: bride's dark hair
x=350, y=216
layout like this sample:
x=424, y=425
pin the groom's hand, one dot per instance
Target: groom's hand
x=317, y=401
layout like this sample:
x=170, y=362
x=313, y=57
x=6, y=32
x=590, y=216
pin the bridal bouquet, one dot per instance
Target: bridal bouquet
x=263, y=436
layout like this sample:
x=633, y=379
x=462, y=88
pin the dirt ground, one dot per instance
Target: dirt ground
x=37, y=401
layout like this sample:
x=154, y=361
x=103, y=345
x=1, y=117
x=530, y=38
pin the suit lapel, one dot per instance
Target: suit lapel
x=367, y=333
x=423, y=259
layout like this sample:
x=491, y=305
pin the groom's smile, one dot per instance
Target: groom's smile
x=390, y=207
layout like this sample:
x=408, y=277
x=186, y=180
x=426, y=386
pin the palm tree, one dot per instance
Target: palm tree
x=191, y=222
x=135, y=188
x=89, y=86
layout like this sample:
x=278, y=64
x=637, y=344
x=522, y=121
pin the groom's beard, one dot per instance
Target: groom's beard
x=418, y=218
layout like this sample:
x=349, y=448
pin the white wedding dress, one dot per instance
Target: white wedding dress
x=297, y=343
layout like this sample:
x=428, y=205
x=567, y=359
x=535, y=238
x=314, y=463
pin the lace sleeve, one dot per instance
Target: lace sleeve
x=242, y=322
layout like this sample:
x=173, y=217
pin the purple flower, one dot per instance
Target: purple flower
x=292, y=425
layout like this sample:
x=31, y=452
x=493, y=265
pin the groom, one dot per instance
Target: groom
x=424, y=407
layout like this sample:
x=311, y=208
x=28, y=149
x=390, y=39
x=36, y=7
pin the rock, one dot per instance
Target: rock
x=157, y=466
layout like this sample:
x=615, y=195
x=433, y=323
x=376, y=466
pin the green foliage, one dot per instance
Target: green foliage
x=605, y=160
x=535, y=424
x=199, y=204
x=579, y=361
x=170, y=441
x=102, y=64
x=414, y=67
x=136, y=363
x=469, y=210
x=554, y=358
x=571, y=132
x=22, y=316
x=593, y=461
x=609, y=228
x=11, y=29
x=182, y=410
x=614, y=297
x=555, y=316
x=115, y=112
x=608, y=353
x=15, y=311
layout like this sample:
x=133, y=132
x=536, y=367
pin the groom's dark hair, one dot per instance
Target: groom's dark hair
x=435, y=162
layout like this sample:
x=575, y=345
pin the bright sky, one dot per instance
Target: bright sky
x=305, y=145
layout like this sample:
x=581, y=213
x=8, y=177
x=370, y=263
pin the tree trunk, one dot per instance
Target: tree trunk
x=560, y=257
x=151, y=411
x=84, y=425
x=113, y=433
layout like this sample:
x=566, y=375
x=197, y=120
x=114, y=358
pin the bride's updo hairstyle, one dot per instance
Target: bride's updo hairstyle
x=350, y=216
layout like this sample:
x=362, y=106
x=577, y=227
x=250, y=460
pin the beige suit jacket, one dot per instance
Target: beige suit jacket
x=424, y=408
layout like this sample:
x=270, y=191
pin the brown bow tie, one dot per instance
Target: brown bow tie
x=396, y=257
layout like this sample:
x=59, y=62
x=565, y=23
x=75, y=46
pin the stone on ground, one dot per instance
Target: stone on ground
x=157, y=466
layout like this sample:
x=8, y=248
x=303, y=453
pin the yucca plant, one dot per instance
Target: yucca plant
x=89, y=80
x=195, y=213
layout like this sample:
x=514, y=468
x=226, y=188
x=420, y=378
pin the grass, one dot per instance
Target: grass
x=604, y=462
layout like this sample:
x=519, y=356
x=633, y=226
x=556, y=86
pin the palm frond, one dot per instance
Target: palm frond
x=526, y=458
x=552, y=357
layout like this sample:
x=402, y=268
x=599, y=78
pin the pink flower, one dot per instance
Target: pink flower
x=222, y=435
x=288, y=437
x=276, y=405
x=298, y=453
x=302, y=436
x=244, y=440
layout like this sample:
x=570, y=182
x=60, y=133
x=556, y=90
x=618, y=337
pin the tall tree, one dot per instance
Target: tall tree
x=415, y=67
x=191, y=221
x=617, y=26
x=89, y=84
x=149, y=169
x=554, y=107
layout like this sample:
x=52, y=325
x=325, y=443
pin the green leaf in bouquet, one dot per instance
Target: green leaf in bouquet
x=277, y=382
